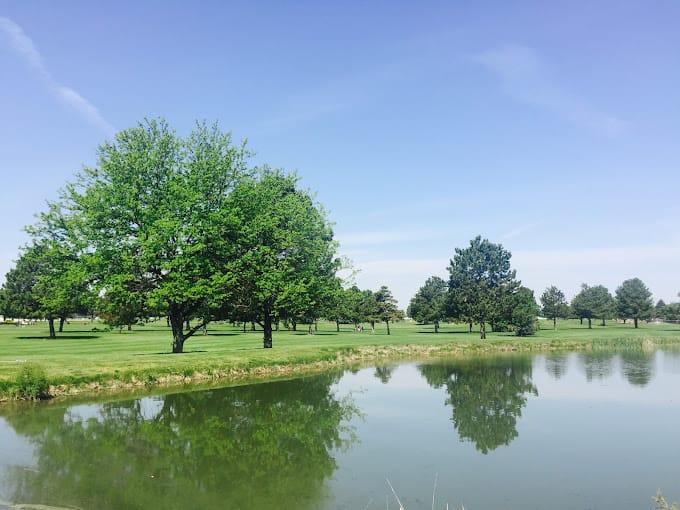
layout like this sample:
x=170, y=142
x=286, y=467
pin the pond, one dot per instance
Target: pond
x=592, y=430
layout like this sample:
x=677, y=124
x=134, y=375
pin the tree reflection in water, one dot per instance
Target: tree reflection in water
x=637, y=366
x=487, y=396
x=597, y=364
x=251, y=447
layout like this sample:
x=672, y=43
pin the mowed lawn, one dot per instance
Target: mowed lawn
x=85, y=351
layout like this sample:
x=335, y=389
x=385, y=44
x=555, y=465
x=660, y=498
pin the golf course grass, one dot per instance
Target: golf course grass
x=88, y=358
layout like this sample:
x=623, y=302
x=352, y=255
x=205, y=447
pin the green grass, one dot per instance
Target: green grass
x=85, y=354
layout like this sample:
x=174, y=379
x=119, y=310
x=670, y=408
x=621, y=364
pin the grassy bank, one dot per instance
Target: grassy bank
x=86, y=359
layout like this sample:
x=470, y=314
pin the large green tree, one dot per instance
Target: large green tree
x=285, y=258
x=634, y=301
x=480, y=278
x=153, y=214
x=554, y=304
x=428, y=306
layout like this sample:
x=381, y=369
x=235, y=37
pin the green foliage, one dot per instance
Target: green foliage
x=593, y=302
x=634, y=301
x=554, y=304
x=428, y=306
x=524, y=312
x=486, y=395
x=480, y=279
x=285, y=261
x=153, y=216
x=386, y=308
x=31, y=383
x=181, y=453
x=48, y=281
x=671, y=312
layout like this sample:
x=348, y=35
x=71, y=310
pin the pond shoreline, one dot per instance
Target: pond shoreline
x=148, y=380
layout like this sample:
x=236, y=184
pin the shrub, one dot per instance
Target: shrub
x=32, y=383
x=524, y=321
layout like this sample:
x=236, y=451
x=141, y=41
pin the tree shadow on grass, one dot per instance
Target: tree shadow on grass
x=223, y=334
x=318, y=333
x=168, y=352
x=445, y=332
x=59, y=337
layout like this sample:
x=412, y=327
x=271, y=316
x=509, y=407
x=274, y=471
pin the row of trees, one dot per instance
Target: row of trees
x=631, y=301
x=483, y=289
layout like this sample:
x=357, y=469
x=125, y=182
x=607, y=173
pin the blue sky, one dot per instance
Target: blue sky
x=551, y=127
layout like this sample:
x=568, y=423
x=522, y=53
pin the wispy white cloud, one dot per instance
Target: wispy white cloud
x=24, y=47
x=522, y=229
x=524, y=77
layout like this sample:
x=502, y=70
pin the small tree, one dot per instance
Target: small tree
x=554, y=304
x=672, y=312
x=47, y=282
x=524, y=312
x=368, y=308
x=428, y=305
x=634, y=301
x=659, y=309
x=593, y=302
x=386, y=307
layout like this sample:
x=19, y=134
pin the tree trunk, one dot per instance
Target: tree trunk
x=635, y=321
x=244, y=326
x=294, y=325
x=61, y=324
x=590, y=323
x=554, y=322
x=337, y=326
x=129, y=327
x=276, y=326
x=252, y=325
x=267, y=341
x=177, y=325
x=188, y=324
x=603, y=323
x=50, y=322
x=316, y=326
x=372, y=327
x=482, y=331
x=436, y=326
x=581, y=318
x=387, y=323
x=469, y=327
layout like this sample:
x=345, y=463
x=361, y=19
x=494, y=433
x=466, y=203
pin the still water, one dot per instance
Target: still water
x=596, y=430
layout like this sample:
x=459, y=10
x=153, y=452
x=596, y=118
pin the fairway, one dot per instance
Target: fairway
x=84, y=352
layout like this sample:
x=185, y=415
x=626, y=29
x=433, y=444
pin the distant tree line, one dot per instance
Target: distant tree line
x=483, y=289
